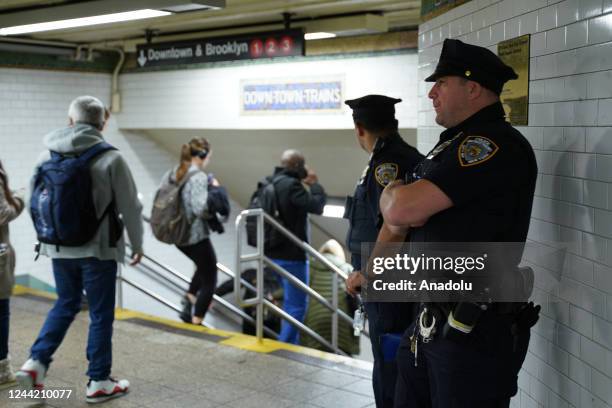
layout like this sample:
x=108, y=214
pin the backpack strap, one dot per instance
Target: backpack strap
x=94, y=151
x=275, y=179
x=185, y=178
x=88, y=154
x=115, y=224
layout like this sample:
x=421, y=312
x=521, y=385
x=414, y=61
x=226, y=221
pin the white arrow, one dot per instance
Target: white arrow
x=142, y=59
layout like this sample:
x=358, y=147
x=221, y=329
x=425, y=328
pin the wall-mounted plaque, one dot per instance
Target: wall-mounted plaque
x=515, y=95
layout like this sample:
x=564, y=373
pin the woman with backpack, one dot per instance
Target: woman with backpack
x=195, y=156
x=10, y=207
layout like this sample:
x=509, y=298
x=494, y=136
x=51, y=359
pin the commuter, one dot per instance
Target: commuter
x=195, y=156
x=391, y=158
x=92, y=265
x=476, y=185
x=318, y=317
x=11, y=205
x=298, y=193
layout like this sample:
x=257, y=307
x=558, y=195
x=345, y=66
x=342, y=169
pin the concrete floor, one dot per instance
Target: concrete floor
x=178, y=369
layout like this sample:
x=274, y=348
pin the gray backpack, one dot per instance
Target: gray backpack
x=169, y=222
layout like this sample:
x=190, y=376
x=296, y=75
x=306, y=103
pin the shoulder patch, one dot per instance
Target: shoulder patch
x=475, y=150
x=385, y=173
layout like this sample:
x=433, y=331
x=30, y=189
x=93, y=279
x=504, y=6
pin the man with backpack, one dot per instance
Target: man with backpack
x=82, y=194
x=297, y=193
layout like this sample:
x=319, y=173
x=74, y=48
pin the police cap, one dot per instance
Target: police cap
x=377, y=108
x=472, y=62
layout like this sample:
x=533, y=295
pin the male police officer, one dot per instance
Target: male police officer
x=390, y=159
x=476, y=185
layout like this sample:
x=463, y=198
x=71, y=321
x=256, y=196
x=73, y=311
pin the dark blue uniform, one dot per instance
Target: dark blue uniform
x=391, y=159
x=488, y=170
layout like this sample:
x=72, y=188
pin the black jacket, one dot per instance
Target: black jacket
x=294, y=203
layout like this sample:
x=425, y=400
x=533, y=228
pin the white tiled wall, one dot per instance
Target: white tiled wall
x=210, y=98
x=570, y=117
x=35, y=102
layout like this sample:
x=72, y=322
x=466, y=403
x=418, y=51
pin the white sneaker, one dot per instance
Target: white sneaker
x=100, y=391
x=31, y=375
x=6, y=372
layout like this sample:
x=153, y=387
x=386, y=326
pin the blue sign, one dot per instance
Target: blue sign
x=298, y=96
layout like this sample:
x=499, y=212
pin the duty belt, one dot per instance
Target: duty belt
x=434, y=315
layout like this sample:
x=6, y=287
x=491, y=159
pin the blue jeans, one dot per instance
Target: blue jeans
x=295, y=300
x=71, y=277
x=5, y=314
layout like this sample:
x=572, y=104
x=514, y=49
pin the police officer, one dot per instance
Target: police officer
x=476, y=185
x=390, y=159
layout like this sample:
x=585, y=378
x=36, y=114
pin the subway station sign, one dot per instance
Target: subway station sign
x=243, y=47
x=285, y=96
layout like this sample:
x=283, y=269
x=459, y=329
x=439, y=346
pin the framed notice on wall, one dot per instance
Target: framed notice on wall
x=515, y=95
x=433, y=8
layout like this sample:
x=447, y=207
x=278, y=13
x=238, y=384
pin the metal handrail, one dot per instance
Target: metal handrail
x=324, y=231
x=218, y=299
x=238, y=280
x=302, y=327
x=244, y=315
x=171, y=282
x=153, y=295
x=310, y=291
x=259, y=301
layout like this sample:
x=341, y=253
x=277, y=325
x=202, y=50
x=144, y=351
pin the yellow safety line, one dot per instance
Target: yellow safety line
x=246, y=342
x=24, y=290
x=232, y=339
x=124, y=314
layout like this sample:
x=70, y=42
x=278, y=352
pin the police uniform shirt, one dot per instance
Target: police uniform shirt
x=392, y=159
x=488, y=170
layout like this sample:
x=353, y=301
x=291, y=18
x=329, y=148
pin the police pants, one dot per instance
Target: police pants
x=478, y=373
x=384, y=373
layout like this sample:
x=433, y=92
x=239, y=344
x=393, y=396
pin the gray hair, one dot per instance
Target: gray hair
x=87, y=109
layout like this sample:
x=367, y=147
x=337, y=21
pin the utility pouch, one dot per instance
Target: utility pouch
x=462, y=319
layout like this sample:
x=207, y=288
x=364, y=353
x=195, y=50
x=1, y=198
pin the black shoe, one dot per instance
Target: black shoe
x=185, y=314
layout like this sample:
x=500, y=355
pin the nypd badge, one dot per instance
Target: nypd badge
x=438, y=149
x=363, y=175
x=476, y=149
x=385, y=173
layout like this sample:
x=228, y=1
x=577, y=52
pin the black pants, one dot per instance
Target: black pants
x=204, y=279
x=385, y=317
x=481, y=374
